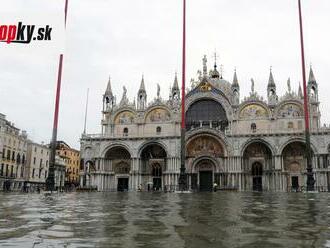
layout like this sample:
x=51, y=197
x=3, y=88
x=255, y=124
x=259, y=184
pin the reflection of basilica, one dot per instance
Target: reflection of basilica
x=249, y=144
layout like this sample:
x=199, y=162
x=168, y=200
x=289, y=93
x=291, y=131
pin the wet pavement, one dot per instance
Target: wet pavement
x=141, y=219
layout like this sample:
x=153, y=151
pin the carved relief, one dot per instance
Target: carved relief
x=253, y=111
x=290, y=110
x=122, y=168
x=204, y=145
x=158, y=115
x=125, y=117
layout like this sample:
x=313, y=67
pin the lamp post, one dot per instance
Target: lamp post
x=310, y=177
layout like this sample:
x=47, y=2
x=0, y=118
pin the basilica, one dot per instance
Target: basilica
x=243, y=144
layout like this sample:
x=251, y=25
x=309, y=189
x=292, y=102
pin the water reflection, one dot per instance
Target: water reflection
x=222, y=219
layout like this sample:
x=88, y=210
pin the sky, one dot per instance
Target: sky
x=127, y=38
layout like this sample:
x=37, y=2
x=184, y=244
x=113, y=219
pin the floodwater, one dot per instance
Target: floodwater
x=221, y=219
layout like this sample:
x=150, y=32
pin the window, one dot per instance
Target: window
x=158, y=130
x=253, y=127
x=35, y=149
x=40, y=162
x=42, y=151
x=290, y=125
x=33, y=172
x=206, y=111
x=125, y=131
x=3, y=153
x=13, y=156
x=1, y=169
x=34, y=160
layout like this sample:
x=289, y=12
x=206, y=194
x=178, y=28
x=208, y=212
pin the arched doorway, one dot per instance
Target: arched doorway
x=205, y=155
x=153, y=161
x=118, y=160
x=257, y=158
x=295, y=164
x=205, y=170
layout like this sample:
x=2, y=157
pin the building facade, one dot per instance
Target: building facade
x=71, y=158
x=59, y=173
x=241, y=144
x=13, y=146
x=37, y=166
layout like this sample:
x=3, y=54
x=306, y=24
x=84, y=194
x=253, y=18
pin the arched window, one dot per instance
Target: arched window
x=204, y=112
x=290, y=125
x=125, y=132
x=158, y=130
x=253, y=127
x=18, y=159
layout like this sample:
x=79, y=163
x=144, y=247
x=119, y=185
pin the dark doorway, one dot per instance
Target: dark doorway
x=257, y=183
x=157, y=183
x=294, y=183
x=257, y=176
x=122, y=184
x=157, y=176
x=205, y=181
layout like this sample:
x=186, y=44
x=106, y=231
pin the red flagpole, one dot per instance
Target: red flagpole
x=183, y=67
x=50, y=182
x=310, y=178
x=183, y=177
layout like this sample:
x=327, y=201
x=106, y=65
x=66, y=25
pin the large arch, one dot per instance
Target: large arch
x=206, y=112
x=257, y=140
x=295, y=164
x=300, y=140
x=153, y=162
x=118, y=161
x=257, y=158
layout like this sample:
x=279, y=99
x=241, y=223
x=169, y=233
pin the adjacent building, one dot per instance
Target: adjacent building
x=59, y=173
x=253, y=143
x=37, y=166
x=71, y=158
x=13, y=148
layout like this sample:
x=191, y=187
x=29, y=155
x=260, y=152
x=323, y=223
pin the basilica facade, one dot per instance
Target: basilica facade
x=239, y=144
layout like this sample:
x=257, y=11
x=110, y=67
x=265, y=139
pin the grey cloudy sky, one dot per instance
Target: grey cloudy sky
x=129, y=37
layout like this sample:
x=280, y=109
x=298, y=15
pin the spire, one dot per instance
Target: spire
x=109, y=90
x=142, y=86
x=289, y=85
x=271, y=82
x=235, y=80
x=300, y=94
x=311, y=78
x=175, y=84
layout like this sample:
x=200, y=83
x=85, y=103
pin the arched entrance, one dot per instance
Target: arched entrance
x=257, y=158
x=205, y=170
x=205, y=155
x=118, y=161
x=295, y=164
x=153, y=163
